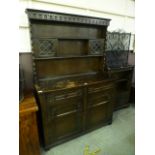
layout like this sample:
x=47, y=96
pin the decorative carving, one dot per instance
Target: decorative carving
x=96, y=46
x=52, y=16
x=45, y=47
x=35, y=79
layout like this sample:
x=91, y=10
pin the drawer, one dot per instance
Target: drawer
x=63, y=109
x=64, y=104
x=98, y=98
x=98, y=88
x=63, y=97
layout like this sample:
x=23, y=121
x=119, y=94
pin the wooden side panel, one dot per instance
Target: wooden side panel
x=28, y=133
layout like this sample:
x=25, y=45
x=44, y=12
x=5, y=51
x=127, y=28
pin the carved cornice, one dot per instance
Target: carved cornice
x=69, y=18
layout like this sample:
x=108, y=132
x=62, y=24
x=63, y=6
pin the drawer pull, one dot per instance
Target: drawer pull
x=102, y=96
x=66, y=113
x=98, y=89
x=100, y=103
x=66, y=96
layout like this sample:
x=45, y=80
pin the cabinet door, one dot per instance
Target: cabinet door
x=123, y=86
x=122, y=99
x=63, y=116
x=64, y=126
x=99, y=106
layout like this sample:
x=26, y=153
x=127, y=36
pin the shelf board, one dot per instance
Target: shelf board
x=70, y=38
x=120, y=69
x=67, y=57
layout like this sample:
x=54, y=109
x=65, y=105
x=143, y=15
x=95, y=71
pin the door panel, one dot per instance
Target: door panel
x=97, y=114
x=64, y=126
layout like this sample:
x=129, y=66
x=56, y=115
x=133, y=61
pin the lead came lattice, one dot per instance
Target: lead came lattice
x=96, y=46
x=45, y=47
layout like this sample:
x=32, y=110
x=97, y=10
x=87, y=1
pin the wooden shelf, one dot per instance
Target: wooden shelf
x=121, y=69
x=70, y=38
x=68, y=57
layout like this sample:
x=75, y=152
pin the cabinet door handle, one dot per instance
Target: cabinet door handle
x=67, y=113
x=100, y=103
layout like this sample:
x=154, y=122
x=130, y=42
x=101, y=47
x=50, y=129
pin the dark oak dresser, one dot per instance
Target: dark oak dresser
x=74, y=93
x=28, y=130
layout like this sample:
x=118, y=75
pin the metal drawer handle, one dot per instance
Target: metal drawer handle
x=67, y=113
x=100, y=103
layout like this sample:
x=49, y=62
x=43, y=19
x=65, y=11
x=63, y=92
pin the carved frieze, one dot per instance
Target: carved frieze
x=60, y=17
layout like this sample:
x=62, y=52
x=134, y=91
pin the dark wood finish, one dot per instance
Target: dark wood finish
x=72, y=111
x=132, y=94
x=74, y=93
x=123, y=85
x=28, y=131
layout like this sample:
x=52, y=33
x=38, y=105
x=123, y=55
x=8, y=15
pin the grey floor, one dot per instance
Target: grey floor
x=115, y=139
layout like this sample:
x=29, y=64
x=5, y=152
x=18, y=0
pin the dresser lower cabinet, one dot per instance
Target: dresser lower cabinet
x=71, y=112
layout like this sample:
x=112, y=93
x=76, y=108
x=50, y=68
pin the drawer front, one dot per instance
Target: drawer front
x=99, y=87
x=61, y=96
x=67, y=106
x=63, y=110
x=63, y=104
x=100, y=93
x=95, y=99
